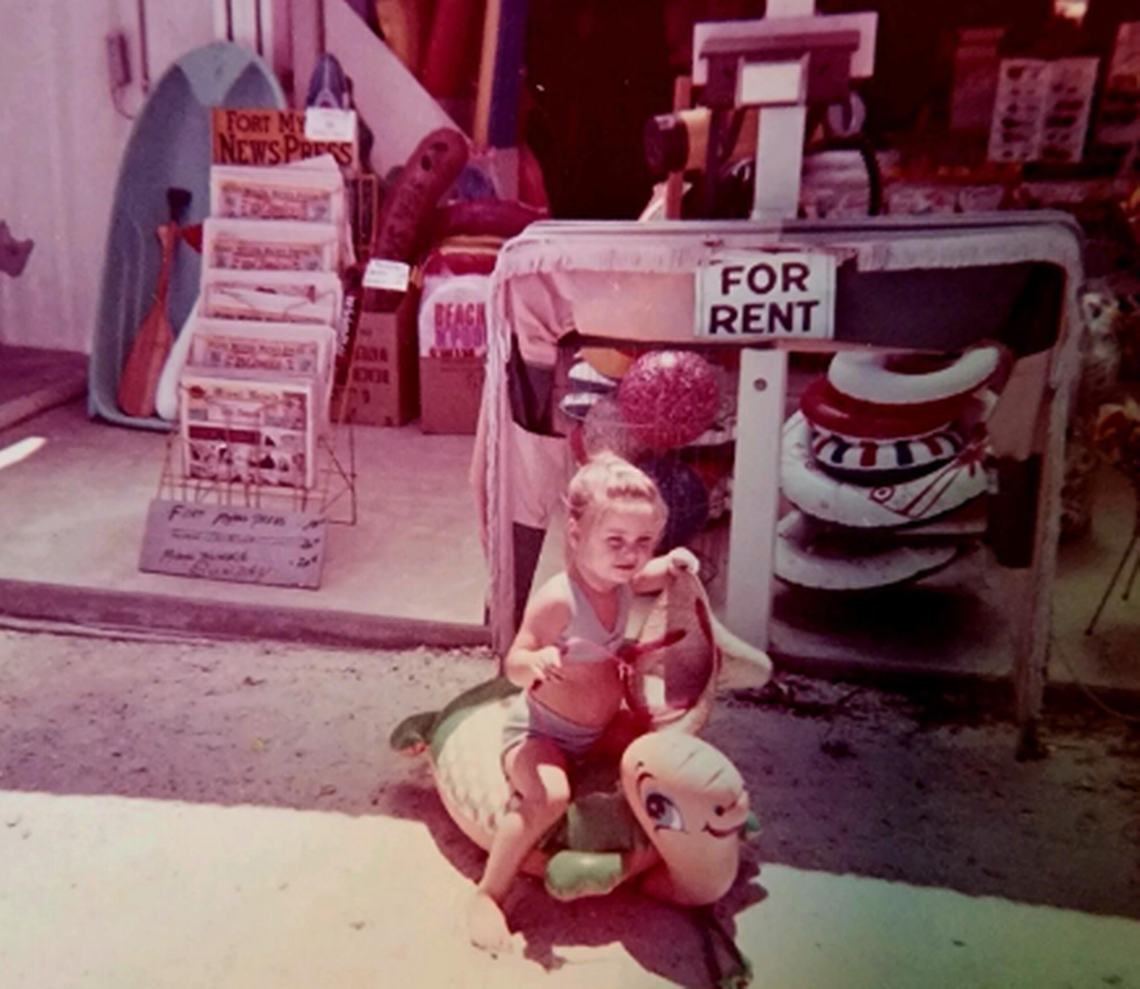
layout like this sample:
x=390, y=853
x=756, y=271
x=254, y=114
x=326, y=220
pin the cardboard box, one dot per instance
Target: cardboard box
x=383, y=385
x=451, y=389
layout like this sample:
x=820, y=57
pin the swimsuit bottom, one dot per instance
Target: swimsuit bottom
x=527, y=718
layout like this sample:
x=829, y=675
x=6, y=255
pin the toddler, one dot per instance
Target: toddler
x=565, y=659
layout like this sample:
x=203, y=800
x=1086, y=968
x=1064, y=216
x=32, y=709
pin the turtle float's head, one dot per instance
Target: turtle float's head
x=693, y=806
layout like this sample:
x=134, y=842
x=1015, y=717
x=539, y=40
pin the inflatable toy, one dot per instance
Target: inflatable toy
x=810, y=556
x=919, y=499
x=669, y=815
x=669, y=398
x=604, y=429
x=1116, y=436
x=878, y=461
x=886, y=379
x=586, y=388
x=685, y=495
x=833, y=412
x=584, y=377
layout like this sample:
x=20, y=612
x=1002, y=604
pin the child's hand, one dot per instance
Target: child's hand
x=545, y=664
x=579, y=650
x=682, y=559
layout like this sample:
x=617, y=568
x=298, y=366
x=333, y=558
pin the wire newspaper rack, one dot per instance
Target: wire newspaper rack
x=242, y=473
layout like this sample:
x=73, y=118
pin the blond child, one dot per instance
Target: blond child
x=565, y=659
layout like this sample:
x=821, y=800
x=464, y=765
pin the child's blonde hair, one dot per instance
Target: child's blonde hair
x=604, y=480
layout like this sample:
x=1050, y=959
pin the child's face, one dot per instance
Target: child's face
x=618, y=543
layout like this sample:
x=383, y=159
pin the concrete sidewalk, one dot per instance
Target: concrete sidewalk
x=412, y=569
x=113, y=892
x=75, y=513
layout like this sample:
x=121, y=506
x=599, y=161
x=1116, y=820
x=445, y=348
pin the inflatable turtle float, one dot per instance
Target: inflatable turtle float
x=669, y=814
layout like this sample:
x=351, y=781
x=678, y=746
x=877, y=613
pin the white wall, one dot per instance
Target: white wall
x=60, y=144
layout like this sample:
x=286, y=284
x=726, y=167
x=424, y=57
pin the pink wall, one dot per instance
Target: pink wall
x=61, y=136
x=60, y=143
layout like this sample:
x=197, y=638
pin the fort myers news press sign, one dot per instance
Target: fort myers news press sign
x=271, y=137
x=766, y=295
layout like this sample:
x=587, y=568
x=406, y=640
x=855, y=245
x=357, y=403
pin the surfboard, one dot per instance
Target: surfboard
x=169, y=147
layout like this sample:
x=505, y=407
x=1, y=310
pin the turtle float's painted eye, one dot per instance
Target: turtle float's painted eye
x=663, y=812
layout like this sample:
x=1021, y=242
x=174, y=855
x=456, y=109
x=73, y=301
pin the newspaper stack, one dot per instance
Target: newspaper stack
x=254, y=391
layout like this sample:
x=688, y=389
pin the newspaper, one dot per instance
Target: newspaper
x=255, y=245
x=278, y=296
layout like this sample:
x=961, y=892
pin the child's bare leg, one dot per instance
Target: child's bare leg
x=536, y=770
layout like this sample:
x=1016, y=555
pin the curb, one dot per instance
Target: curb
x=110, y=611
x=912, y=677
x=65, y=609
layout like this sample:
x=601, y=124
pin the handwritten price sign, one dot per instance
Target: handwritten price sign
x=251, y=546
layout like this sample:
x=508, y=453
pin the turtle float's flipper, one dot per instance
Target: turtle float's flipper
x=411, y=735
x=571, y=874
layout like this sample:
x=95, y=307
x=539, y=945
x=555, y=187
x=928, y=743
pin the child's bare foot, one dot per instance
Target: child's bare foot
x=487, y=926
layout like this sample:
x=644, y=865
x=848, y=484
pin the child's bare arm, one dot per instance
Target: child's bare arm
x=533, y=657
x=653, y=577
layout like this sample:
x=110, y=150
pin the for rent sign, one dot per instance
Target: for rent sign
x=766, y=294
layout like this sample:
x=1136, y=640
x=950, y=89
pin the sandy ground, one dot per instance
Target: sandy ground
x=847, y=780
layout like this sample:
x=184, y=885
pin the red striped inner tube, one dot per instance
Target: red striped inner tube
x=827, y=409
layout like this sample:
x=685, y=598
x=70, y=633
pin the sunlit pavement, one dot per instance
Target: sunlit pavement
x=111, y=892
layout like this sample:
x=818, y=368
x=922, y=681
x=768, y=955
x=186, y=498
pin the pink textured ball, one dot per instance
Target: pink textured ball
x=605, y=428
x=669, y=397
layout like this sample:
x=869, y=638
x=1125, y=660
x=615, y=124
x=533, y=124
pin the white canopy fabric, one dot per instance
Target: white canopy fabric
x=626, y=282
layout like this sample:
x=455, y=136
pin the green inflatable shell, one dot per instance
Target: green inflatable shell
x=463, y=743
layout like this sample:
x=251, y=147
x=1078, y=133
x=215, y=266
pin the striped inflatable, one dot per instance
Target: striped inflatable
x=846, y=456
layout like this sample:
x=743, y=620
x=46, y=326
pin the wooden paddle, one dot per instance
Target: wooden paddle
x=139, y=381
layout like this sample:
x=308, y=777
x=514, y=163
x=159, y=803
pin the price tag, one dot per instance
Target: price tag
x=224, y=542
x=389, y=275
x=324, y=124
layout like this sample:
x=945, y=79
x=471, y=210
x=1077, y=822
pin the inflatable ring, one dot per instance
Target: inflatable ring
x=908, y=379
x=804, y=562
x=871, y=461
x=577, y=404
x=874, y=506
x=586, y=387
x=583, y=376
x=830, y=411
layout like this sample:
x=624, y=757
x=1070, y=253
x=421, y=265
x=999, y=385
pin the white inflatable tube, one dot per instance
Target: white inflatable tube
x=799, y=562
x=805, y=484
x=843, y=455
x=867, y=377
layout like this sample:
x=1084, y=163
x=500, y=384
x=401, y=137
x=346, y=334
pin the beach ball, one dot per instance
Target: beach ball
x=685, y=495
x=669, y=397
x=605, y=428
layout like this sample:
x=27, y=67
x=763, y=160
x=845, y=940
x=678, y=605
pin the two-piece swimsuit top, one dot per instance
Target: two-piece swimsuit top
x=585, y=639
